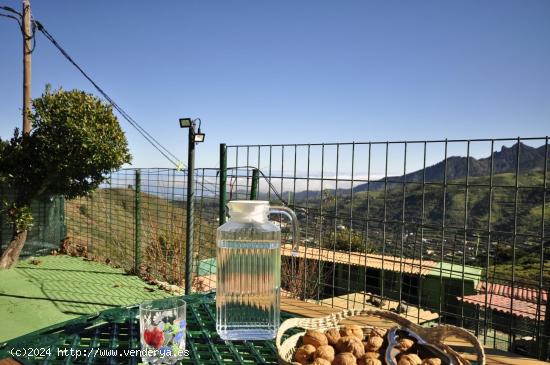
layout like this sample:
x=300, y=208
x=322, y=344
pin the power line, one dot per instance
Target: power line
x=266, y=178
x=11, y=10
x=148, y=137
x=17, y=18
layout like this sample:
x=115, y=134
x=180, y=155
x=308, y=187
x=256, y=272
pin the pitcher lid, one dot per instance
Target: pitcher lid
x=248, y=210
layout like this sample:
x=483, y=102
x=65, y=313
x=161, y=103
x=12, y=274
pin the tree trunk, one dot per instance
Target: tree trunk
x=11, y=255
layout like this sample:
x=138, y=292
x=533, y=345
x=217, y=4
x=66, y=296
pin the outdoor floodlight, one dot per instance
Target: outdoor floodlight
x=185, y=122
x=199, y=137
x=196, y=137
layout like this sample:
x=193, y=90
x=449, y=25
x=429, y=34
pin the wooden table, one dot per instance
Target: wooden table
x=494, y=357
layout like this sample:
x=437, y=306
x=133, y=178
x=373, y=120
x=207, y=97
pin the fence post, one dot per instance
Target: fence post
x=63, y=223
x=189, y=226
x=137, y=221
x=255, y=183
x=223, y=183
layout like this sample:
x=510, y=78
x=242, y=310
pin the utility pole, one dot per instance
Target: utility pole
x=27, y=37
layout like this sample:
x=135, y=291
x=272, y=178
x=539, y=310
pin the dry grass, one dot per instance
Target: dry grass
x=303, y=279
x=104, y=223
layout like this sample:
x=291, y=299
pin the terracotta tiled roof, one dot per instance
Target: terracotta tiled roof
x=527, y=294
x=499, y=297
x=521, y=308
x=390, y=263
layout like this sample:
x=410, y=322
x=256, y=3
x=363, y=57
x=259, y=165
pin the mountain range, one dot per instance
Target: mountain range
x=457, y=168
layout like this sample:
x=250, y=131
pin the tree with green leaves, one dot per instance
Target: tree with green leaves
x=74, y=142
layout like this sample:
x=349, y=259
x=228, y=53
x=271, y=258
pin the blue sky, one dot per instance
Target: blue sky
x=296, y=72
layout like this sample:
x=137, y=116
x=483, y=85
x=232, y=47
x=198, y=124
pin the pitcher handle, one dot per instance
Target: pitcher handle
x=289, y=213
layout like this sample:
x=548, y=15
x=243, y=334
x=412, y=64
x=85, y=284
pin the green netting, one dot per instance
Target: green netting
x=48, y=229
x=118, y=329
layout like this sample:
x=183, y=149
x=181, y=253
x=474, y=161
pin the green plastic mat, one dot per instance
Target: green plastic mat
x=103, y=338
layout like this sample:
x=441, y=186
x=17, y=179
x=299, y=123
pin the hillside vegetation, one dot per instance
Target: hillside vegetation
x=415, y=216
x=105, y=225
x=401, y=216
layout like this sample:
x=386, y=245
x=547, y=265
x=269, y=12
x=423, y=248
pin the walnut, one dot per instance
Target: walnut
x=431, y=361
x=333, y=335
x=314, y=338
x=405, y=344
x=372, y=354
x=343, y=341
x=344, y=358
x=304, y=354
x=376, y=331
x=351, y=344
x=409, y=359
x=374, y=343
x=352, y=330
x=364, y=360
x=324, y=352
x=320, y=361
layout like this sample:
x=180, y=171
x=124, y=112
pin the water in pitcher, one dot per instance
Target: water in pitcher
x=248, y=289
x=248, y=249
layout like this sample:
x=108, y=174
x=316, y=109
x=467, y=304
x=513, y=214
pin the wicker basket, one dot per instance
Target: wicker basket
x=434, y=335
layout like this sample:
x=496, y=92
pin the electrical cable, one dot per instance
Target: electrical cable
x=148, y=137
x=33, y=36
x=19, y=20
x=266, y=178
x=14, y=18
x=11, y=10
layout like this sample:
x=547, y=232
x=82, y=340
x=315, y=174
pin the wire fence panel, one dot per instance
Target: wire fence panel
x=136, y=220
x=206, y=223
x=102, y=225
x=447, y=231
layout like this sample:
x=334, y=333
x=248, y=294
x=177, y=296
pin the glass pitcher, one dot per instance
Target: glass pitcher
x=248, y=249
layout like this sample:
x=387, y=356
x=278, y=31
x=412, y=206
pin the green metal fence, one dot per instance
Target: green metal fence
x=448, y=231
x=137, y=221
x=444, y=231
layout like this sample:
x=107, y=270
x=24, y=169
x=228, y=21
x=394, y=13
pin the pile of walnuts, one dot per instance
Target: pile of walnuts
x=350, y=346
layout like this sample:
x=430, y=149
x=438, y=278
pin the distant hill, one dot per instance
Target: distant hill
x=504, y=161
x=389, y=206
x=433, y=206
